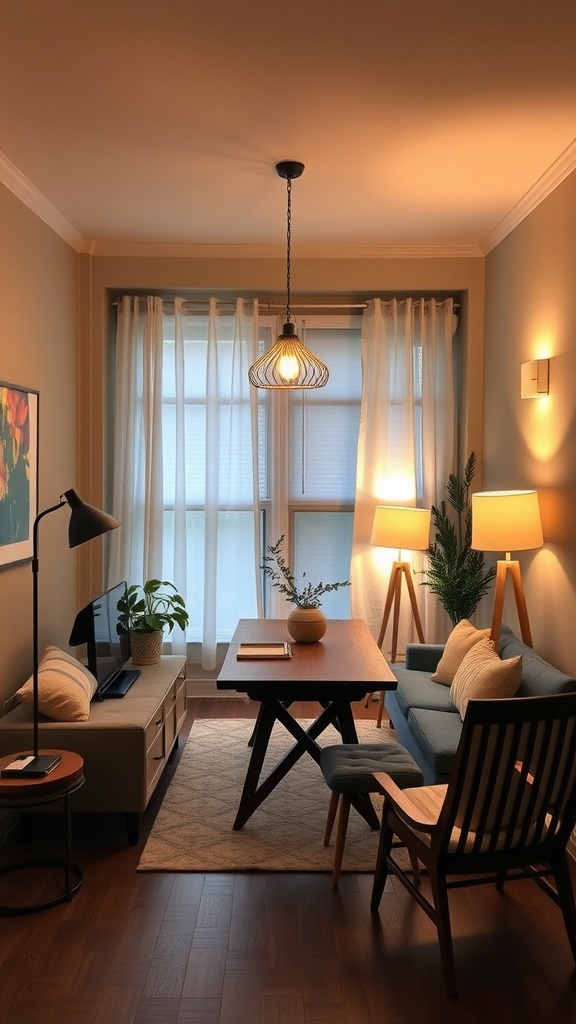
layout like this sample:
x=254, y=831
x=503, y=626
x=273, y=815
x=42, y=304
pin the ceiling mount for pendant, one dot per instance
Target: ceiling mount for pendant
x=288, y=364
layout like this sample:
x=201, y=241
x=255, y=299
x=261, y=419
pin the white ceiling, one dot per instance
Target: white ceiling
x=427, y=126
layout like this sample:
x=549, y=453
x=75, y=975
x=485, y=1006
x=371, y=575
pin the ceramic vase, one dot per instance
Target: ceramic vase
x=306, y=625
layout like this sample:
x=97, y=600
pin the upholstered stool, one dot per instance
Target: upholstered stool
x=348, y=770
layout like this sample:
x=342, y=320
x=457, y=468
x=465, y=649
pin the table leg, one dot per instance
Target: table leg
x=259, y=740
x=338, y=713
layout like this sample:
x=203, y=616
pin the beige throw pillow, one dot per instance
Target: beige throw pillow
x=461, y=640
x=483, y=675
x=65, y=687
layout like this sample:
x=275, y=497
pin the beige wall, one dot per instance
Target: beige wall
x=38, y=342
x=531, y=311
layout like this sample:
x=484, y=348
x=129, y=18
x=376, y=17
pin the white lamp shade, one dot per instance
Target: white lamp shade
x=398, y=527
x=506, y=521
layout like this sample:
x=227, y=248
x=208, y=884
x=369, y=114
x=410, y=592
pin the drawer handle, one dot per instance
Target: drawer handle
x=158, y=723
x=159, y=757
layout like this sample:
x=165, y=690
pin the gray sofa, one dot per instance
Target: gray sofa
x=428, y=725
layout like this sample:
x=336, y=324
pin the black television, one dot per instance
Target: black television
x=96, y=625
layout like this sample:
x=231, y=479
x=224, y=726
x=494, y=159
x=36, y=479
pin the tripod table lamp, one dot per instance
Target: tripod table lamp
x=86, y=522
x=408, y=530
x=507, y=521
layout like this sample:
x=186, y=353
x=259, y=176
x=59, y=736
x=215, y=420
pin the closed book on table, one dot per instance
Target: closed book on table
x=271, y=651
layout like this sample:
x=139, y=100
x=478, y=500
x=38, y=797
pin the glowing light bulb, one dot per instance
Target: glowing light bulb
x=288, y=367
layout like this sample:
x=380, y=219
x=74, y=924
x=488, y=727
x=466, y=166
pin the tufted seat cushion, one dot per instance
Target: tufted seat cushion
x=348, y=767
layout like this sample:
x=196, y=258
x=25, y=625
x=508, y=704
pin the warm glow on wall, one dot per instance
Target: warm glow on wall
x=398, y=488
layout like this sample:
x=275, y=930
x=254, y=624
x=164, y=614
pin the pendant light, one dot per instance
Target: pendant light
x=288, y=364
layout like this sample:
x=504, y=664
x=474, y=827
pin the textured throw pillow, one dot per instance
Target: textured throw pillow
x=483, y=675
x=461, y=640
x=65, y=687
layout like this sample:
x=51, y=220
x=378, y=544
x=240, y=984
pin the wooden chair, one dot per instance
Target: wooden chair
x=507, y=812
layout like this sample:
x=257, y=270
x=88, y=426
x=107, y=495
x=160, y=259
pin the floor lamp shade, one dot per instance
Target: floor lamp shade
x=86, y=522
x=507, y=521
x=407, y=529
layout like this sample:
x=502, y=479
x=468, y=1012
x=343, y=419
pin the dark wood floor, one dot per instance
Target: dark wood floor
x=161, y=948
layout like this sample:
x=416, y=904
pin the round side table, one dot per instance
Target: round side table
x=25, y=794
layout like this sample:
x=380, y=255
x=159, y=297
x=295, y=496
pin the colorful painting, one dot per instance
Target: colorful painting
x=18, y=471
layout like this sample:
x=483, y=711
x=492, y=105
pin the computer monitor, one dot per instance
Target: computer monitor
x=97, y=626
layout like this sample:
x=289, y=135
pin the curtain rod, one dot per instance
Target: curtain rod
x=279, y=305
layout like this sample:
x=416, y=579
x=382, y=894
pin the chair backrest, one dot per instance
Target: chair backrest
x=513, y=783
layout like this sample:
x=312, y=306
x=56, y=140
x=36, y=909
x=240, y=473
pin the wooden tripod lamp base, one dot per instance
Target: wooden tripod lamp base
x=406, y=529
x=505, y=568
x=393, y=598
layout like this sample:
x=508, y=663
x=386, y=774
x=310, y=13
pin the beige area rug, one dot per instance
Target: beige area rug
x=193, y=828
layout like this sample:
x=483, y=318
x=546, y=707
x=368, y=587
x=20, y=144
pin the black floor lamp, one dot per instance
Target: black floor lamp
x=86, y=522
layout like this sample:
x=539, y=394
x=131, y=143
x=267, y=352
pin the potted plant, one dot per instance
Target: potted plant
x=306, y=622
x=457, y=574
x=145, y=613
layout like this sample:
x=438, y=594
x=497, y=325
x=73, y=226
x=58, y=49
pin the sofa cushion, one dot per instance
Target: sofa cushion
x=415, y=689
x=438, y=735
x=65, y=687
x=539, y=677
x=461, y=639
x=484, y=675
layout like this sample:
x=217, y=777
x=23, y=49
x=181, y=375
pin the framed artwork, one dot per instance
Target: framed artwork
x=18, y=472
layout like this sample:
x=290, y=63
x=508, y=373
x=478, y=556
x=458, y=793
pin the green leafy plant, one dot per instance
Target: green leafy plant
x=282, y=577
x=155, y=606
x=456, y=573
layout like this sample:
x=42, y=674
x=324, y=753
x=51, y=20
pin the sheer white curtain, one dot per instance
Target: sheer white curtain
x=185, y=476
x=406, y=443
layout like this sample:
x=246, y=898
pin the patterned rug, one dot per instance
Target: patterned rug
x=193, y=828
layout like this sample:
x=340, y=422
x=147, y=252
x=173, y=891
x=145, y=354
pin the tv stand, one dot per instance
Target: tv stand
x=120, y=684
x=125, y=743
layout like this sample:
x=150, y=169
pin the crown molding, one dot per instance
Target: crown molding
x=546, y=184
x=266, y=251
x=24, y=190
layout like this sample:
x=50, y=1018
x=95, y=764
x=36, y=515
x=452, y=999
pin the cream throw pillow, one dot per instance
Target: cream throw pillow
x=65, y=687
x=461, y=640
x=484, y=675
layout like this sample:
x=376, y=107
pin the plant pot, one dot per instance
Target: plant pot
x=306, y=625
x=146, y=647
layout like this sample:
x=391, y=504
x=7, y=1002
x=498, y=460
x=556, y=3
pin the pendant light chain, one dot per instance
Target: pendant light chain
x=288, y=240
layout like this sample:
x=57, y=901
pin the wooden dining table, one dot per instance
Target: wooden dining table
x=334, y=672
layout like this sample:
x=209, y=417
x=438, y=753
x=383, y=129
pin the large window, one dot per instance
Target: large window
x=306, y=467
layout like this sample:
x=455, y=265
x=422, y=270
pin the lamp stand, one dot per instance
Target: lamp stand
x=86, y=522
x=393, y=597
x=399, y=569
x=505, y=567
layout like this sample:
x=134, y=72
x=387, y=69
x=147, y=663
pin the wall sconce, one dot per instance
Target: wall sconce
x=534, y=378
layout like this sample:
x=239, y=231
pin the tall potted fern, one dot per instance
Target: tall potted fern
x=456, y=573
